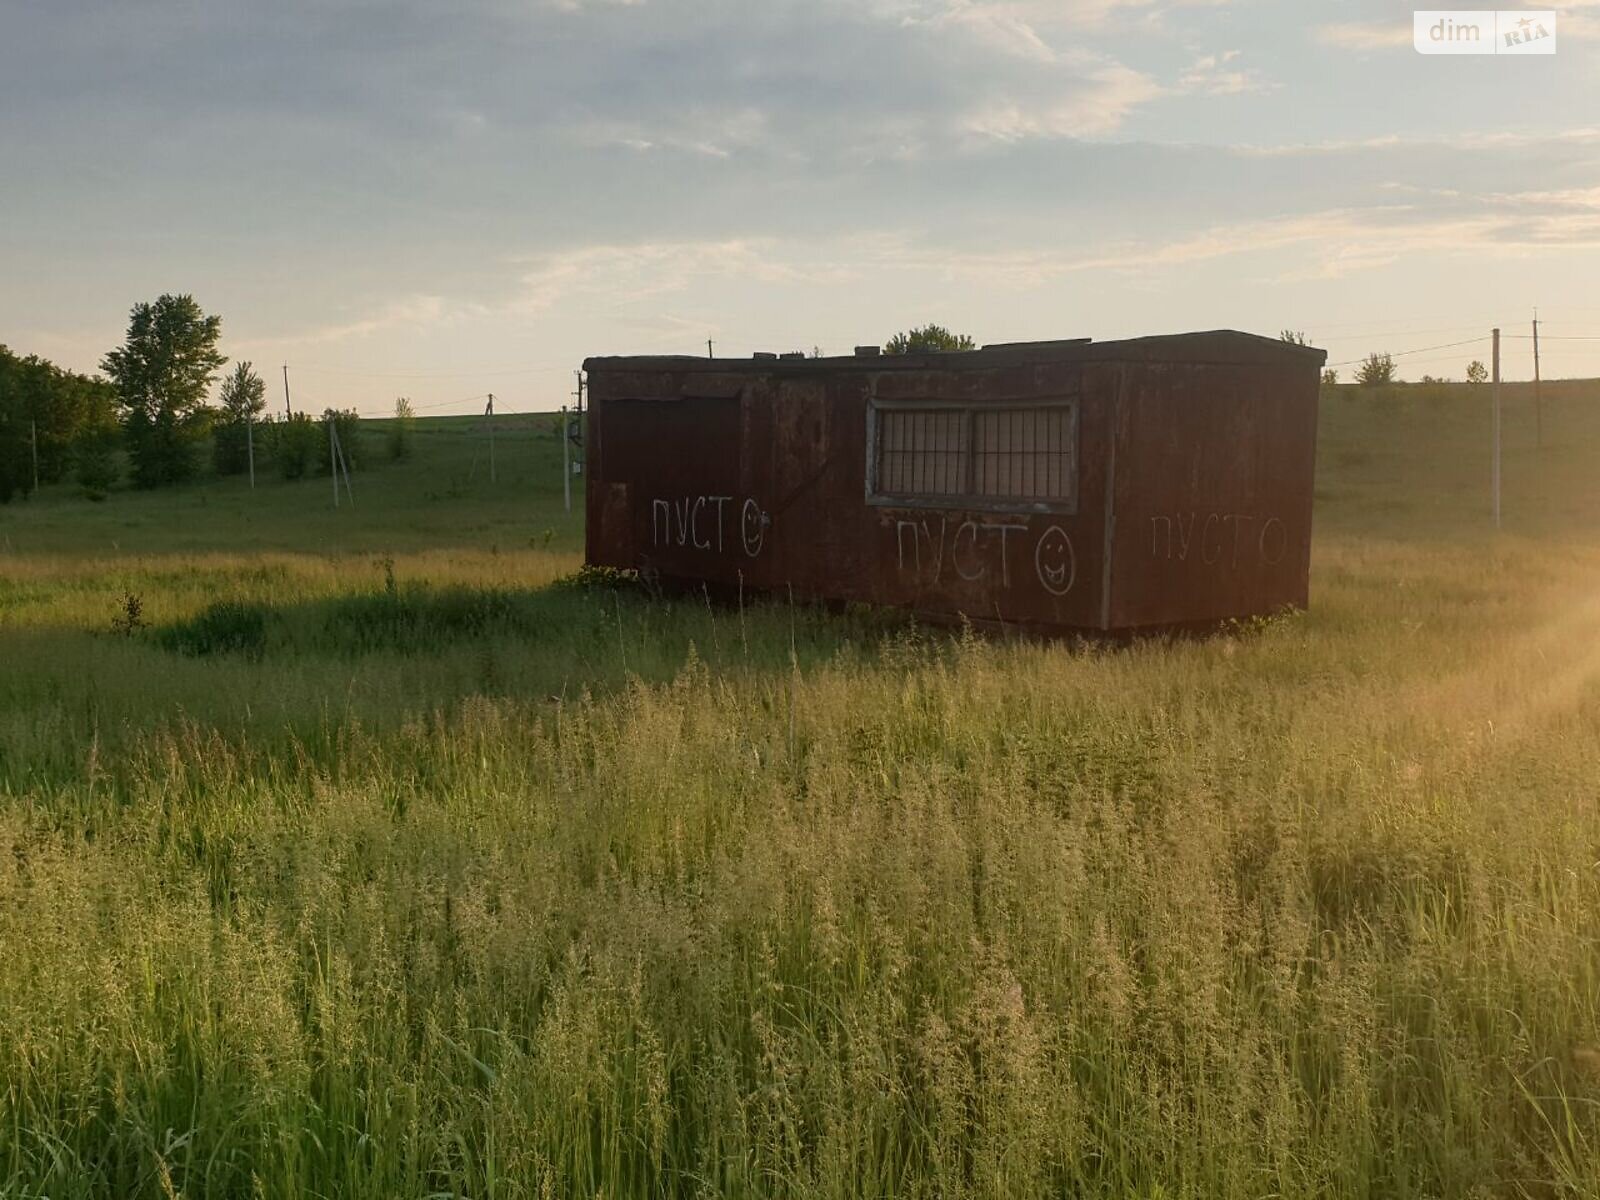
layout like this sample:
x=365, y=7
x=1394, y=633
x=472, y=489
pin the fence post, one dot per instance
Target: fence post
x=1538, y=398
x=1496, y=470
x=566, y=459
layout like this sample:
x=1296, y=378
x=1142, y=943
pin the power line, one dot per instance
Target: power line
x=1419, y=350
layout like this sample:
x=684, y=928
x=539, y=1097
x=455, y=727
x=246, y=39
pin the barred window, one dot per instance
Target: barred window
x=923, y=452
x=988, y=456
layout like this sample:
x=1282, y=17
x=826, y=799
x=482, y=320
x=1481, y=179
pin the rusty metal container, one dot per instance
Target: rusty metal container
x=1111, y=487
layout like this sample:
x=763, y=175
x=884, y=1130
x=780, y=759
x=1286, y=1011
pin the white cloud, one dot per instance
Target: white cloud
x=1468, y=140
x=627, y=273
x=1217, y=75
x=1001, y=26
x=1108, y=92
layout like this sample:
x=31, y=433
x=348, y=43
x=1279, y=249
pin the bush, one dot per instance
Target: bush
x=230, y=448
x=94, y=461
x=347, y=424
x=296, y=444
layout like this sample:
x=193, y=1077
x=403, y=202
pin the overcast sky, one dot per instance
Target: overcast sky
x=441, y=198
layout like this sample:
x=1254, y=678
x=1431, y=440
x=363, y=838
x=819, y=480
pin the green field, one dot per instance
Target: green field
x=367, y=853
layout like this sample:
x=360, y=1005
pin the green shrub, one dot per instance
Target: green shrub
x=347, y=425
x=295, y=445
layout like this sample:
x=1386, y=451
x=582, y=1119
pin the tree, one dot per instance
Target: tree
x=1294, y=337
x=347, y=428
x=1477, y=372
x=400, y=429
x=295, y=443
x=928, y=339
x=1376, y=371
x=46, y=415
x=242, y=400
x=1330, y=378
x=163, y=371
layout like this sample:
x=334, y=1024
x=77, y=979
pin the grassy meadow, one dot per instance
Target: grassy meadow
x=367, y=853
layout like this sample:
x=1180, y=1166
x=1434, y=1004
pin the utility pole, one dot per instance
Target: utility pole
x=489, y=412
x=1496, y=470
x=566, y=459
x=33, y=442
x=1538, y=399
x=574, y=427
x=709, y=349
x=333, y=459
x=288, y=411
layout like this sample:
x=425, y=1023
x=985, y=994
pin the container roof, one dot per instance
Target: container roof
x=1219, y=346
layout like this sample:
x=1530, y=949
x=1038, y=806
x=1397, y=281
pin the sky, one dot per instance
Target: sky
x=446, y=199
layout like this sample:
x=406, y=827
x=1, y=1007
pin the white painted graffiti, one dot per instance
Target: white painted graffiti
x=753, y=528
x=978, y=550
x=1055, y=561
x=700, y=523
x=1212, y=538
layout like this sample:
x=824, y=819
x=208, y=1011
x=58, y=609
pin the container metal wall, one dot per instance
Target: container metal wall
x=1191, y=499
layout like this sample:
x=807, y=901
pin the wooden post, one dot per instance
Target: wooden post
x=1538, y=399
x=1496, y=470
x=289, y=411
x=566, y=459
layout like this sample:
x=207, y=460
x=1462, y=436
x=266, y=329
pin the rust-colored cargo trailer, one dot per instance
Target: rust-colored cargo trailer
x=1111, y=487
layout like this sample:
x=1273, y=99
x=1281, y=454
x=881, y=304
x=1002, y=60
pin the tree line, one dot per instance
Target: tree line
x=150, y=414
x=53, y=422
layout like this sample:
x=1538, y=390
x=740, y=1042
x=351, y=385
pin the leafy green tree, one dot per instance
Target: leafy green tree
x=295, y=445
x=400, y=429
x=1330, y=378
x=242, y=400
x=163, y=371
x=1377, y=370
x=95, y=461
x=1294, y=337
x=45, y=413
x=927, y=339
x=347, y=424
x=1477, y=372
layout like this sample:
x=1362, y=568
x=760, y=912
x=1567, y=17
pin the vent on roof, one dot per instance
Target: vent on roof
x=868, y=351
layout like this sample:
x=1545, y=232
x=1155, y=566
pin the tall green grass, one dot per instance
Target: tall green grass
x=412, y=871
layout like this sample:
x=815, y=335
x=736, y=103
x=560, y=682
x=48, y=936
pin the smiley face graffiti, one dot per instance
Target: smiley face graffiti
x=1056, y=561
x=753, y=528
